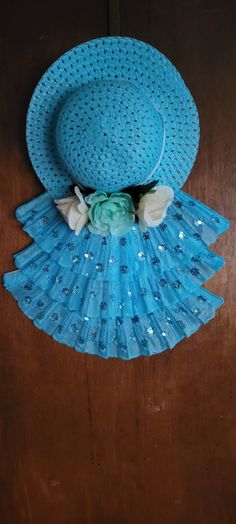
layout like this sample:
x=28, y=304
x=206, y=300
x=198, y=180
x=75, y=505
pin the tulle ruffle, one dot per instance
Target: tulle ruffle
x=124, y=337
x=188, y=227
x=139, y=293
x=124, y=289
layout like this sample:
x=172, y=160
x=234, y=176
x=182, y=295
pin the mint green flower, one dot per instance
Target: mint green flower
x=110, y=214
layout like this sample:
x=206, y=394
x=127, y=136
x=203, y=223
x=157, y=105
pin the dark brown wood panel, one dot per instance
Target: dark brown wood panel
x=87, y=441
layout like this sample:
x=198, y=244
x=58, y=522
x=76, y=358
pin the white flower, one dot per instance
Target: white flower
x=74, y=210
x=153, y=206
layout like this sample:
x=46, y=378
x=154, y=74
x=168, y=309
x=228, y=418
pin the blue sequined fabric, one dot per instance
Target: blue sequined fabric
x=127, y=296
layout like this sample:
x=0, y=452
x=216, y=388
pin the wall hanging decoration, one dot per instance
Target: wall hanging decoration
x=120, y=253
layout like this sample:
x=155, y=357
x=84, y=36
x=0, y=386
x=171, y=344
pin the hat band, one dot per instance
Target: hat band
x=147, y=178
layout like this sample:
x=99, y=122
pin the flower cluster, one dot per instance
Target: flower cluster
x=117, y=212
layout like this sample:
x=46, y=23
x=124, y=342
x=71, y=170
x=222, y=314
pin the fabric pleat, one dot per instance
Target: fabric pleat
x=138, y=294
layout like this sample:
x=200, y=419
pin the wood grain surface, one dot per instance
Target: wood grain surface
x=151, y=441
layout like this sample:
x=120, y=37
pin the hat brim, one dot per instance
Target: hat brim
x=109, y=58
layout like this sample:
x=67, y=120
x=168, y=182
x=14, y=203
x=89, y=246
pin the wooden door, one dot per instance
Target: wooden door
x=88, y=441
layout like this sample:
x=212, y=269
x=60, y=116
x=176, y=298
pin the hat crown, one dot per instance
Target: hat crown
x=109, y=135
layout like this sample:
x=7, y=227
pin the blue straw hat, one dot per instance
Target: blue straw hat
x=111, y=113
x=117, y=268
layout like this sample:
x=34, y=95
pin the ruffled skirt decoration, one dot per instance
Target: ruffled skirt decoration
x=127, y=296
